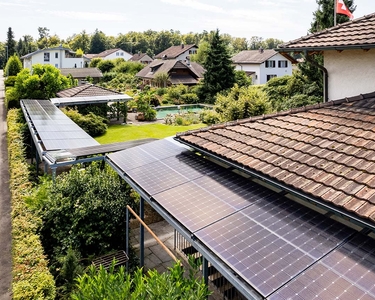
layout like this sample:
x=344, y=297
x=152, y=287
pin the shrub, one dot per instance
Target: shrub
x=11, y=98
x=105, y=65
x=10, y=81
x=31, y=278
x=13, y=66
x=190, y=98
x=94, y=62
x=94, y=125
x=209, y=117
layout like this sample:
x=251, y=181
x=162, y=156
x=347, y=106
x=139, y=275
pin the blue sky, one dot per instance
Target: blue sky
x=282, y=19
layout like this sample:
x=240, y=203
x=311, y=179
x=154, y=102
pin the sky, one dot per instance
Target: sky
x=282, y=19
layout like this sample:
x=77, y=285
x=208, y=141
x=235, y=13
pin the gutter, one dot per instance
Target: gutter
x=325, y=48
x=325, y=72
x=309, y=199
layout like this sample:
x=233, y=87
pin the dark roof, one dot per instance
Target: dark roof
x=86, y=90
x=82, y=72
x=325, y=152
x=139, y=56
x=359, y=33
x=175, y=51
x=166, y=66
x=253, y=56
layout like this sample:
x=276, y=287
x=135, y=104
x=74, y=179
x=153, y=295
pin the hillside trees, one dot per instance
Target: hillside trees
x=219, y=74
x=80, y=41
x=98, y=42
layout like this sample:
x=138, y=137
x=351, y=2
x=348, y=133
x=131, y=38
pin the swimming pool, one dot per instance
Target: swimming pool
x=163, y=111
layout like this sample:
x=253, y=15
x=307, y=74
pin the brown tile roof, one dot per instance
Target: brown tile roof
x=139, y=56
x=253, y=56
x=166, y=66
x=174, y=51
x=359, y=33
x=82, y=72
x=326, y=151
x=86, y=90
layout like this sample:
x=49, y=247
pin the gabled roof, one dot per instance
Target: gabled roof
x=359, y=33
x=139, y=56
x=47, y=49
x=324, y=153
x=160, y=66
x=86, y=90
x=105, y=53
x=174, y=51
x=253, y=56
x=82, y=72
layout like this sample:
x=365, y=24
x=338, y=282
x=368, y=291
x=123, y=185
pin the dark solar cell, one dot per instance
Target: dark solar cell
x=345, y=273
x=193, y=206
x=286, y=249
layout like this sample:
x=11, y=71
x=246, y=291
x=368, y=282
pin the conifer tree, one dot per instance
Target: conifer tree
x=219, y=74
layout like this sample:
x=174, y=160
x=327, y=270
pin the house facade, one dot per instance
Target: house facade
x=262, y=65
x=181, y=52
x=142, y=58
x=112, y=54
x=349, y=56
x=58, y=57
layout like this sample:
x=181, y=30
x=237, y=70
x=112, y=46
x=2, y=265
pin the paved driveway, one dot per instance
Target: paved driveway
x=5, y=221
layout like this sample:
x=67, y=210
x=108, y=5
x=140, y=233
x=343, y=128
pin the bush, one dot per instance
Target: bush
x=108, y=76
x=105, y=65
x=190, y=98
x=11, y=98
x=10, y=81
x=209, y=117
x=31, y=278
x=13, y=66
x=94, y=125
x=94, y=62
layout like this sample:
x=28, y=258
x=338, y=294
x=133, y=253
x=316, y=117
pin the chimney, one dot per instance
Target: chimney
x=182, y=46
x=261, y=50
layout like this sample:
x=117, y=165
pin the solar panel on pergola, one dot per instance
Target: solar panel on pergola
x=53, y=128
x=90, y=99
x=270, y=242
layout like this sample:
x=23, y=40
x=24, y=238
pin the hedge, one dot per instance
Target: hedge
x=31, y=277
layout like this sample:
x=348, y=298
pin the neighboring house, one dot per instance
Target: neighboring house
x=180, y=52
x=262, y=65
x=59, y=57
x=82, y=74
x=142, y=58
x=187, y=73
x=111, y=54
x=349, y=56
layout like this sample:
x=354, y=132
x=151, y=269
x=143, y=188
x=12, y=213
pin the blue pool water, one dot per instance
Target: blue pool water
x=163, y=111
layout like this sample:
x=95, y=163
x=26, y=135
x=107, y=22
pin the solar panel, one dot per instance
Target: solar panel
x=55, y=129
x=348, y=272
x=268, y=243
x=192, y=206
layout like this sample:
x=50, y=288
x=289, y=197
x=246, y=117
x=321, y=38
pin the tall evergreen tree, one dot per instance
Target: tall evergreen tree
x=98, y=42
x=11, y=42
x=219, y=75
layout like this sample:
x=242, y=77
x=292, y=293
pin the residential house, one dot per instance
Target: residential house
x=262, y=65
x=181, y=52
x=283, y=205
x=142, y=58
x=60, y=57
x=111, y=54
x=349, y=56
x=187, y=73
x=81, y=74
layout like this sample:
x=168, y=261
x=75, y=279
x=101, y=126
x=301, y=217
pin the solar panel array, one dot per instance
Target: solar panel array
x=274, y=244
x=55, y=130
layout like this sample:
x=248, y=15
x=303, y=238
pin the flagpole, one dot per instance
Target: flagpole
x=334, y=11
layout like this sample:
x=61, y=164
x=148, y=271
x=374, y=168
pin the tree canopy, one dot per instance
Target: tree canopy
x=219, y=74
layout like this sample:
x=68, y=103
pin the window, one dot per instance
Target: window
x=56, y=54
x=122, y=53
x=283, y=63
x=192, y=51
x=270, y=64
x=56, y=65
x=117, y=54
x=270, y=76
x=46, y=56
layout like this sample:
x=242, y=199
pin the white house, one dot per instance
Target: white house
x=180, y=52
x=111, y=54
x=262, y=65
x=59, y=57
x=349, y=56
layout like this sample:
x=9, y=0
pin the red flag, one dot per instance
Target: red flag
x=342, y=9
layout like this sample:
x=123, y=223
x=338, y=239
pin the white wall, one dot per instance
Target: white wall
x=279, y=72
x=60, y=62
x=350, y=73
x=186, y=53
x=261, y=71
x=119, y=54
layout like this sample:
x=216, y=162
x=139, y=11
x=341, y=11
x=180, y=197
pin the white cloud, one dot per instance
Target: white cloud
x=88, y=16
x=12, y=4
x=195, y=5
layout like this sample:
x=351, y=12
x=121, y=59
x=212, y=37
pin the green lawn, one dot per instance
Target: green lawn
x=123, y=133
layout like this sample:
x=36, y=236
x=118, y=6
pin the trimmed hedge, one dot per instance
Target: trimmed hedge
x=31, y=277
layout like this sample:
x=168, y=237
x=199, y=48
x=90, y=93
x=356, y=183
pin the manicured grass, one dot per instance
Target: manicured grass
x=123, y=133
